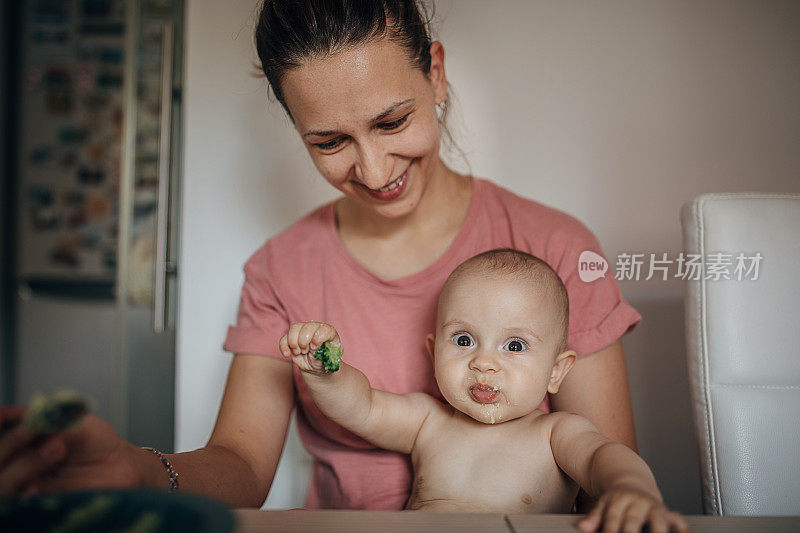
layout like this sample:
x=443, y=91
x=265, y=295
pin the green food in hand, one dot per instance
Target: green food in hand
x=330, y=356
x=63, y=410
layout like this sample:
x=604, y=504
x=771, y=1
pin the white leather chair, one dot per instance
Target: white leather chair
x=743, y=348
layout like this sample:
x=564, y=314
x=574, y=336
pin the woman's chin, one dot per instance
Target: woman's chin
x=395, y=209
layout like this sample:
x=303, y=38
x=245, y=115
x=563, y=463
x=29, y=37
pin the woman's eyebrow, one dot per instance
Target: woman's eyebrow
x=389, y=110
x=382, y=115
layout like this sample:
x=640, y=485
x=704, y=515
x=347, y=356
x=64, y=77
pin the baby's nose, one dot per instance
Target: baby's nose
x=484, y=362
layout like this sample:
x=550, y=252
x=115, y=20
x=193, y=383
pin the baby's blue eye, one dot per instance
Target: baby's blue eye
x=463, y=340
x=515, y=346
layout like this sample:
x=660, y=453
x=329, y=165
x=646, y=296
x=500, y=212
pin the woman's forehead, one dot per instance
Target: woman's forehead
x=356, y=83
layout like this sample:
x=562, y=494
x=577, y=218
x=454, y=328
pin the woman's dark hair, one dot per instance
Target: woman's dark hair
x=290, y=31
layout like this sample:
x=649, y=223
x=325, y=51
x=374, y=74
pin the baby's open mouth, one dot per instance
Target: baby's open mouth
x=484, y=393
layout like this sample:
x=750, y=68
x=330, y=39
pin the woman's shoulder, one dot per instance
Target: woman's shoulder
x=305, y=237
x=523, y=214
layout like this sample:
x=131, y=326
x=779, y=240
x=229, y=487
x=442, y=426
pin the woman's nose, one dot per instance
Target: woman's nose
x=484, y=362
x=374, y=166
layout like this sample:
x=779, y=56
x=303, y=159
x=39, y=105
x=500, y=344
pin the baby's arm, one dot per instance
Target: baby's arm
x=623, y=483
x=387, y=420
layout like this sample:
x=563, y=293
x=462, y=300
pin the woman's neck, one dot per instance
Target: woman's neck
x=444, y=203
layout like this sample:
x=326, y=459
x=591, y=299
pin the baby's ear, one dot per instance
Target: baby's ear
x=430, y=343
x=561, y=368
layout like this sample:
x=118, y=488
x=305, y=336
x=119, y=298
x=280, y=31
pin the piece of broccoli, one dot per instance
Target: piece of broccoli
x=63, y=410
x=330, y=356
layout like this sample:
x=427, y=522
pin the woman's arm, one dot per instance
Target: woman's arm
x=597, y=388
x=238, y=463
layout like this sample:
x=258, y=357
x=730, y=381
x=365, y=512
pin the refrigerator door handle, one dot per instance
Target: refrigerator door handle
x=162, y=207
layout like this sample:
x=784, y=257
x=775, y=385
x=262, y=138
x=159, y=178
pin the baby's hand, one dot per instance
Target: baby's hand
x=628, y=509
x=303, y=339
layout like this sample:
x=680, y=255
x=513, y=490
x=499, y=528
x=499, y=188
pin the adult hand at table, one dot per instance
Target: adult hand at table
x=90, y=455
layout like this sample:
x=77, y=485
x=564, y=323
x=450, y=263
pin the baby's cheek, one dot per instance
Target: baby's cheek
x=450, y=384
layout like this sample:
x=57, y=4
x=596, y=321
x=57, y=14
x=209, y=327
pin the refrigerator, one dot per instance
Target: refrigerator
x=96, y=183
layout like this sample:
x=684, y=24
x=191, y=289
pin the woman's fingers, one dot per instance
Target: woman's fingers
x=16, y=439
x=11, y=414
x=12, y=439
x=29, y=464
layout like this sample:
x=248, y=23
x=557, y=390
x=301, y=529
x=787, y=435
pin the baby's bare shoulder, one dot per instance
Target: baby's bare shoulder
x=565, y=423
x=437, y=415
x=434, y=409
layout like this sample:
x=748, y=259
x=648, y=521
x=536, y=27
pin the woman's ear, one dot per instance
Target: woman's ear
x=437, y=74
x=430, y=343
x=561, y=368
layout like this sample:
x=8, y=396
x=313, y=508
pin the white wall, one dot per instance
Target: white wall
x=617, y=112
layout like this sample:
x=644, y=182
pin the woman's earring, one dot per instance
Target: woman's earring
x=440, y=106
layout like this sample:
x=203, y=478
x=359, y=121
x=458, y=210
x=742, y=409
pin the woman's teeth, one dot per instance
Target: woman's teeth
x=393, y=185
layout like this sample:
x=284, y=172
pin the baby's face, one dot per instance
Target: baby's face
x=495, y=347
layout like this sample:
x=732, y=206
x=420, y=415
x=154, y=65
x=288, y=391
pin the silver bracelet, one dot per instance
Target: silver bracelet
x=173, y=475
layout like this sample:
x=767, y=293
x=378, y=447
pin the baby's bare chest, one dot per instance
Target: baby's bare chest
x=508, y=467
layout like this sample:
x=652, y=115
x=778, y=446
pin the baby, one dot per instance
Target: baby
x=499, y=346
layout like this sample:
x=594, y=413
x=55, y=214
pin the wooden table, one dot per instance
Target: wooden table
x=252, y=520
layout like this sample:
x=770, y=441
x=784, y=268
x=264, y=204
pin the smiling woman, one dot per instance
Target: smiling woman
x=368, y=118
x=366, y=89
x=361, y=83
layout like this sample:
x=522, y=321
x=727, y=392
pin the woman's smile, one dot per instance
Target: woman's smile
x=391, y=191
x=379, y=110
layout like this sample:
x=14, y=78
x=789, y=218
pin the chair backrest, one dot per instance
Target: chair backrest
x=743, y=349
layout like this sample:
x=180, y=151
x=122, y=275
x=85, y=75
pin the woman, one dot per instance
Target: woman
x=366, y=90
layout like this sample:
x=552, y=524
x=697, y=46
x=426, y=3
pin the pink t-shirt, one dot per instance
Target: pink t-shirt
x=305, y=273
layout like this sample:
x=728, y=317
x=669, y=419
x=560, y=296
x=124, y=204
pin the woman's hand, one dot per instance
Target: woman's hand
x=628, y=509
x=90, y=455
x=303, y=339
